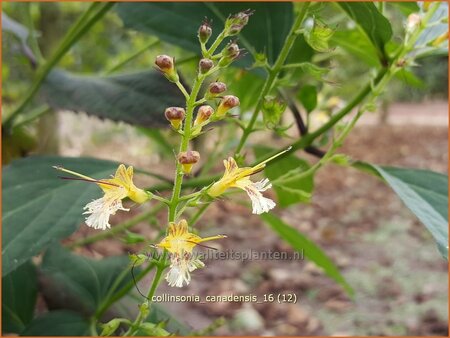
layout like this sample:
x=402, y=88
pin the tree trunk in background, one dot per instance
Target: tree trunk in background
x=49, y=27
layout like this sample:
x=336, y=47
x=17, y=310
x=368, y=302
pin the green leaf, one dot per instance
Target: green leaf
x=295, y=191
x=78, y=283
x=425, y=193
x=357, y=44
x=19, y=294
x=308, y=97
x=58, y=323
x=177, y=23
x=318, y=37
x=406, y=7
x=302, y=244
x=374, y=24
x=410, y=78
x=137, y=98
x=38, y=207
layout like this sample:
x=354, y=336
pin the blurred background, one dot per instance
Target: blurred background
x=383, y=251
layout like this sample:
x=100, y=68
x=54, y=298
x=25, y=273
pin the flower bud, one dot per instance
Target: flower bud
x=413, y=22
x=175, y=115
x=230, y=53
x=228, y=102
x=215, y=89
x=166, y=65
x=204, y=32
x=187, y=160
x=235, y=23
x=205, y=65
x=110, y=327
x=203, y=114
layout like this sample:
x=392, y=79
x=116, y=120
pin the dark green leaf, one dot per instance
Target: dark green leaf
x=138, y=98
x=357, y=44
x=178, y=23
x=295, y=191
x=425, y=193
x=308, y=97
x=19, y=292
x=38, y=207
x=78, y=283
x=374, y=24
x=58, y=323
x=302, y=244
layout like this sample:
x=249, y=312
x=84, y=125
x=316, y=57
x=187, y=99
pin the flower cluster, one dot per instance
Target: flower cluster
x=189, y=122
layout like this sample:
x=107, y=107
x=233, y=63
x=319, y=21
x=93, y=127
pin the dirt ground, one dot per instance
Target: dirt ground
x=383, y=251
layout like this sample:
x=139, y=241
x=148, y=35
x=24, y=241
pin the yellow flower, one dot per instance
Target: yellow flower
x=239, y=178
x=115, y=190
x=179, y=243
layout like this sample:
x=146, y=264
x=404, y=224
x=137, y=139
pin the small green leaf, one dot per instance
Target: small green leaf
x=84, y=283
x=318, y=36
x=19, y=294
x=295, y=191
x=58, y=323
x=308, y=97
x=137, y=98
x=272, y=109
x=302, y=244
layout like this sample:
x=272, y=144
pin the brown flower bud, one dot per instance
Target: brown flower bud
x=229, y=54
x=205, y=65
x=235, y=23
x=216, y=88
x=166, y=65
x=203, y=114
x=188, y=159
x=204, y=32
x=175, y=115
x=228, y=102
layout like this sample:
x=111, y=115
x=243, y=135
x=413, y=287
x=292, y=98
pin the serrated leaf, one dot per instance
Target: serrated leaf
x=295, y=191
x=19, y=294
x=38, y=207
x=177, y=23
x=137, y=98
x=302, y=244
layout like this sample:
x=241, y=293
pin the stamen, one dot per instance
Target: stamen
x=90, y=180
x=202, y=245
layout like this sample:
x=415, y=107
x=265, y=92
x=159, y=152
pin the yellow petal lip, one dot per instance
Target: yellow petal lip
x=179, y=240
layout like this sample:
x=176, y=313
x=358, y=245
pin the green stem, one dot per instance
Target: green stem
x=273, y=73
x=190, y=105
x=215, y=44
x=32, y=36
x=84, y=23
x=116, y=229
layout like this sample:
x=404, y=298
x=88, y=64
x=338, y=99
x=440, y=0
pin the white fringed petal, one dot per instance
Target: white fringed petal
x=99, y=211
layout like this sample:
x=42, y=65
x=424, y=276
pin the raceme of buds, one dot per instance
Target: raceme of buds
x=413, y=22
x=166, y=65
x=229, y=54
x=175, y=115
x=215, y=89
x=235, y=23
x=203, y=114
x=228, y=102
x=204, y=32
x=205, y=65
x=188, y=159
